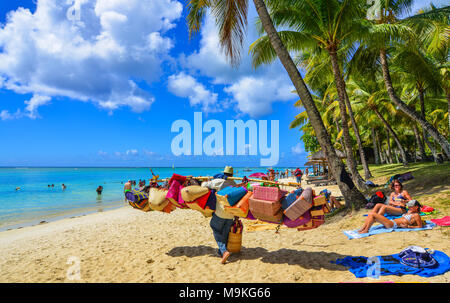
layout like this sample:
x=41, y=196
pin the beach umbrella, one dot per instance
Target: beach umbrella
x=257, y=175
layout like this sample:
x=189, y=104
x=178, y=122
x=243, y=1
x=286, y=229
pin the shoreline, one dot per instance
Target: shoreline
x=58, y=216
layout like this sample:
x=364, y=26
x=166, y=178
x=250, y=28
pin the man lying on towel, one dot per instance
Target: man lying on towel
x=411, y=219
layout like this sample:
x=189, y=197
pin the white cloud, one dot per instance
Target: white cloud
x=132, y=152
x=186, y=86
x=6, y=115
x=95, y=59
x=297, y=149
x=34, y=103
x=253, y=91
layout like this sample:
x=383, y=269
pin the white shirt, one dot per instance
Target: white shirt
x=219, y=184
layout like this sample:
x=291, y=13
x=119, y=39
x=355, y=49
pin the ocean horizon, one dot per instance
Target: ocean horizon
x=28, y=198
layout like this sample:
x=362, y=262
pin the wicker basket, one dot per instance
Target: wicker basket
x=234, y=244
x=268, y=193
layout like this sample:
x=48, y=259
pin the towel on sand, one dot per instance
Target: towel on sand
x=445, y=221
x=363, y=267
x=380, y=229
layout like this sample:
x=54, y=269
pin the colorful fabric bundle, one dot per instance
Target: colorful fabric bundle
x=174, y=193
x=230, y=195
x=302, y=220
x=241, y=208
x=200, y=202
x=290, y=198
x=178, y=178
x=445, y=221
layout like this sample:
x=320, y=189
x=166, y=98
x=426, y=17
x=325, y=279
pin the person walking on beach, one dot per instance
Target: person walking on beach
x=298, y=174
x=221, y=221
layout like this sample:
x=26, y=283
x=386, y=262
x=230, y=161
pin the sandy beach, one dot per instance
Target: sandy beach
x=127, y=245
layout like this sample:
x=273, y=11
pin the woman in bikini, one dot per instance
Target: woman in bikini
x=397, y=201
x=410, y=219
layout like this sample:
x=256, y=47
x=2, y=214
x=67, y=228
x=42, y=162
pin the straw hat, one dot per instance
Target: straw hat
x=228, y=170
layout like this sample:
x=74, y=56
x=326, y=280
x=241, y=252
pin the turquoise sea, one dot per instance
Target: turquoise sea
x=35, y=201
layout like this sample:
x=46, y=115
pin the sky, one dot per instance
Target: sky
x=101, y=82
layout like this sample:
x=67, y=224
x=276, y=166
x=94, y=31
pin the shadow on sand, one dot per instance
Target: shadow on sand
x=304, y=259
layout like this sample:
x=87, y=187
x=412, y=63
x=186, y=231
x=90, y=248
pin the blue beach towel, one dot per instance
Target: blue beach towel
x=380, y=229
x=363, y=267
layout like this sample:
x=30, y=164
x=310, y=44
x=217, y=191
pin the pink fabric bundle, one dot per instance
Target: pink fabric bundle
x=445, y=221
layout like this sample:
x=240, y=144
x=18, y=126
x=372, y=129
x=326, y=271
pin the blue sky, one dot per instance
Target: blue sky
x=100, y=82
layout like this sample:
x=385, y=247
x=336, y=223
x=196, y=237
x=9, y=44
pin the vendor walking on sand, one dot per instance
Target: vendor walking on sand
x=221, y=221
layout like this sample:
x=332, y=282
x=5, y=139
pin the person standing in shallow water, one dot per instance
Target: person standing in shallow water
x=99, y=190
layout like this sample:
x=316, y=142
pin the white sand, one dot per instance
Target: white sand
x=127, y=245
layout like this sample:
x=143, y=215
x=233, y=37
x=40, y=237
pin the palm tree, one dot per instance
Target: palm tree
x=231, y=18
x=328, y=26
x=384, y=32
x=432, y=26
x=319, y=77
x=369, y=93
x=420, y=75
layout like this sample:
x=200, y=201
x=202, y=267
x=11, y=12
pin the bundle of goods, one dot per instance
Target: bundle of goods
x=241, y=208
x=157, y=200
x=235, y=237
x=304, y=210
x=196, y=197
x=230, y=196
x=265, y=204
x=174, y=194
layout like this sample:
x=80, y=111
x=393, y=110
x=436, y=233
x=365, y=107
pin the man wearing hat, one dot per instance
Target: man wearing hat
x=221, y=221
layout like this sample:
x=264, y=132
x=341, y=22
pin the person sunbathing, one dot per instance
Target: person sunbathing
x=410, y=219
x=397, y=201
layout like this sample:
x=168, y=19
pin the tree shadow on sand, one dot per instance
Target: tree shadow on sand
x=304, y=259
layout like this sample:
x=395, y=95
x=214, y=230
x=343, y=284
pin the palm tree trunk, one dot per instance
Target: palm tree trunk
x=425, y=135
x=375, y=147
x=419, y=143
x=340, y=139
x=348, y=189
x=382, y=158
x=394, y=135
x=389, y=150
x=409, y=111
x=447, y=94
x=362, y=154
x=340, y=86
